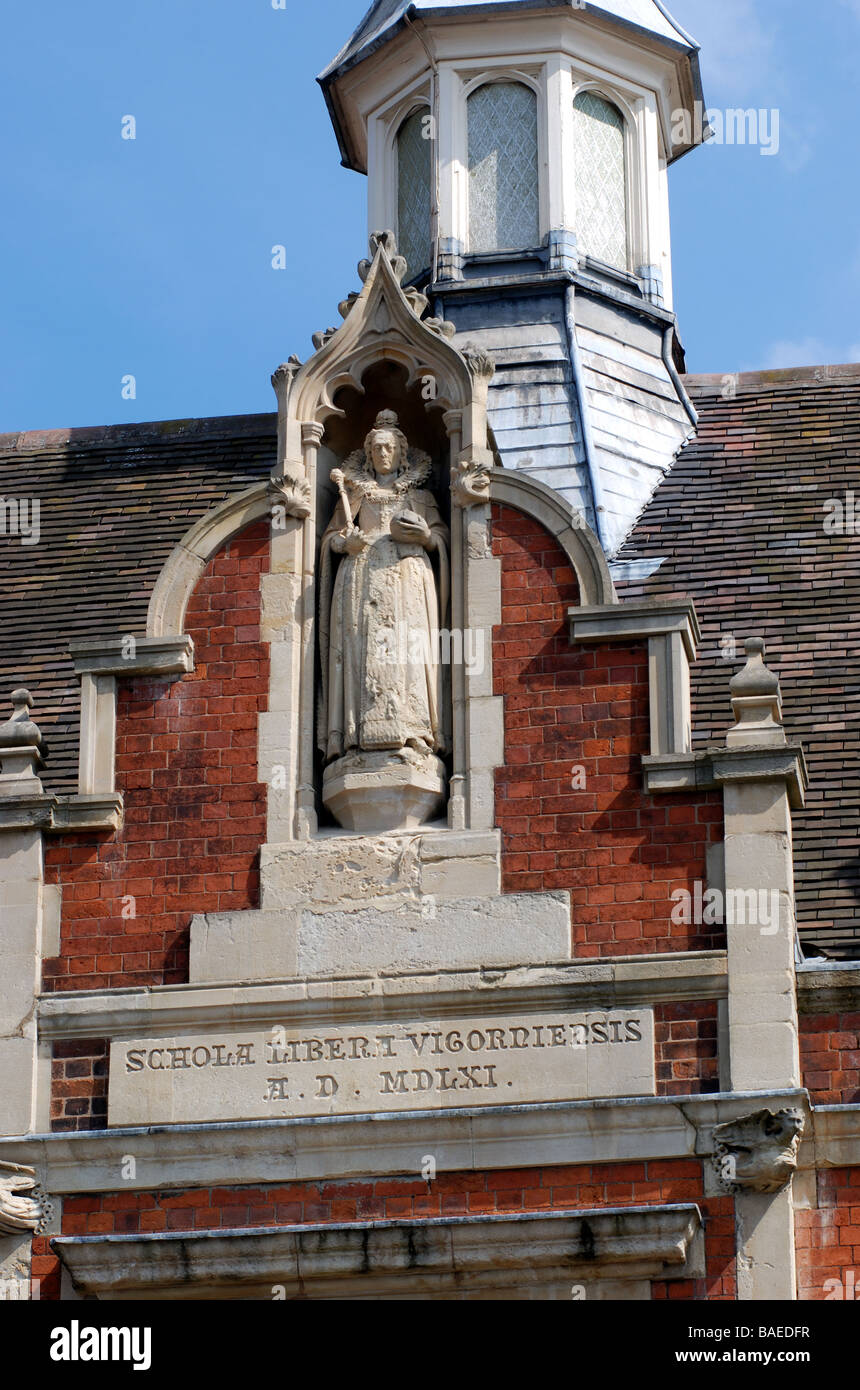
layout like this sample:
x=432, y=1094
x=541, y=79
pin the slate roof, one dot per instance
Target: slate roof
x=113, y=503
x=740, y=522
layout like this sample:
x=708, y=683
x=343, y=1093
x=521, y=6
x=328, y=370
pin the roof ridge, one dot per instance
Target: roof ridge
x=81, y=436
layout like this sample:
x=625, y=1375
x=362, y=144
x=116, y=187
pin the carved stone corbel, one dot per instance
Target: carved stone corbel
x=19, y=1214
x=758, y=1153
x=292, y=492
x=470, y=483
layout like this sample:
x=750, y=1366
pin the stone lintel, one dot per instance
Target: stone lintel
x=636, y=620
x=834, y=1141
x=677, y=772
x=636, y=981
x=151, y=656
x=516, y=1255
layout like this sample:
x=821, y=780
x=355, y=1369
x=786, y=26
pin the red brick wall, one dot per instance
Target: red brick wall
x=79, y=1084
x=570, y=1188
x=685, y=1040
x=619, y=852
x=194, y=811
x=828, y=1239
x=830, y=1057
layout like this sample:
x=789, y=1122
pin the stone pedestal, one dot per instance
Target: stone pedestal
x=386, y=790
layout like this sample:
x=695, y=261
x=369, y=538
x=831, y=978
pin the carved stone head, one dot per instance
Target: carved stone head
x=758, y=1153
x=386, y=446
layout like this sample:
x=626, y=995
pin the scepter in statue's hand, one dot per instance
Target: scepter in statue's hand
x=340, y=483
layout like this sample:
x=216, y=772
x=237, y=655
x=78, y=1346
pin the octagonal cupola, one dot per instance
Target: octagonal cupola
x=520, y=150
x=541, y=132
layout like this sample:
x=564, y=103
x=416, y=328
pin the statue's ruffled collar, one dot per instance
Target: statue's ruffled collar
x=359, y=475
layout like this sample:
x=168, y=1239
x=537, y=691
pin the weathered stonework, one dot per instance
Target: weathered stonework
x=758, y=1153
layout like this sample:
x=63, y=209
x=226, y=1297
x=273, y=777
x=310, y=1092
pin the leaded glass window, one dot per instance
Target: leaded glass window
x=503, y=168
x=601, y=182
x=414, y=175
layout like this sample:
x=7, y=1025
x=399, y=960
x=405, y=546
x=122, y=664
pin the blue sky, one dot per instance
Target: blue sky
x=152, y=257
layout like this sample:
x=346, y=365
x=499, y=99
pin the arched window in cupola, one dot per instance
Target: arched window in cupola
x=601, y=179
x=504, y=208
x=414, y=176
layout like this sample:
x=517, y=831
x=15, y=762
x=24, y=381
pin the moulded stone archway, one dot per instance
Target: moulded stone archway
x=512, y=489
x=186, y=563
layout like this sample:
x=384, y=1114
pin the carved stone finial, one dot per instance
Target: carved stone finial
x=758, y=1153
x=387, y=242
x=755, y=678
x=19, y=1214
x=386, y=420
x=21, y=750
x=479, y=362
x=319, y=340
x=756, y=701
x=286, y=373
x=20, y=731
x=441, y=327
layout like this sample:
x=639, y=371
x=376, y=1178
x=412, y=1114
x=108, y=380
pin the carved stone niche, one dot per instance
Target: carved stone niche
x=758, y=1153
x=383, y=439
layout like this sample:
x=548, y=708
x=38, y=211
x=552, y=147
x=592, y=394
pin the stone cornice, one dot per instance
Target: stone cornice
x=623, y=982
x=716, y=766
x=148, y=656
x=629, y=621
x=60, y=815
x=835, y=1140
x=433, y=1256
x=362, y=1146
x=828, y=987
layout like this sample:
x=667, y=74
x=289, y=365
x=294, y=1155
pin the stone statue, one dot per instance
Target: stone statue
x=381, y=612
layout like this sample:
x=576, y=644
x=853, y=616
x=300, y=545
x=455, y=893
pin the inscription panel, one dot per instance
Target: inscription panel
x=284, y=1072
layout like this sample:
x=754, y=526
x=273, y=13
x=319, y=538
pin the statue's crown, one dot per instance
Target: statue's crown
x=386, y=420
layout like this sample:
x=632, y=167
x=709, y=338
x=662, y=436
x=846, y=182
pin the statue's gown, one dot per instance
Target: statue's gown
x=379, y=630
